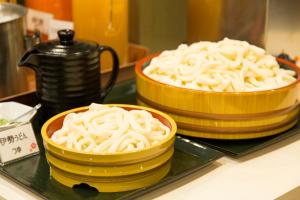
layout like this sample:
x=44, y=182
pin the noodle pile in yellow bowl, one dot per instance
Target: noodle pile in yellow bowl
x=110, y=147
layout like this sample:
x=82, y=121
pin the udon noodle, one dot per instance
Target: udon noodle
x=103, y=129
x=224, y=66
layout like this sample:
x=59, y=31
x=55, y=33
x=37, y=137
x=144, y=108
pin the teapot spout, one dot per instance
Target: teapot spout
x=29, y=59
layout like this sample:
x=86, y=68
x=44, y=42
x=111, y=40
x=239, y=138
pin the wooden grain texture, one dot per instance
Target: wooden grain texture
x=222, y=115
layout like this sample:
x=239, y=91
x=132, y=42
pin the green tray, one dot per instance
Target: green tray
x=33, y=173
x=234, y=148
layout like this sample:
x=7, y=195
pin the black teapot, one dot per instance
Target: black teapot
x=68, y=72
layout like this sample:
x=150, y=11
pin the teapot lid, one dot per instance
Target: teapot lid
x=66, y=46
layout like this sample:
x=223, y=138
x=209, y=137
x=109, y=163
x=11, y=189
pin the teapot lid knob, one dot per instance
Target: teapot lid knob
x=66, y=36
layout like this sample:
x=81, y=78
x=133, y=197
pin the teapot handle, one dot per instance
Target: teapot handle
x=115, y=70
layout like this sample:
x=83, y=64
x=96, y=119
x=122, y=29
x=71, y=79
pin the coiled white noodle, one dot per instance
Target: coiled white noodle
x=104, y=129
x=224, y=66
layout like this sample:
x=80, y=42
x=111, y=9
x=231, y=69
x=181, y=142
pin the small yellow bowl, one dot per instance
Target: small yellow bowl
x=222, y=115
x=71, y=167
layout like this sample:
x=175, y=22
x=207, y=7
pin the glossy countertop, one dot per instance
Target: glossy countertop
x=265, y=174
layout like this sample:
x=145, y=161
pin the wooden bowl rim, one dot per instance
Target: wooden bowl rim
x=139, y=65
x=173, y=130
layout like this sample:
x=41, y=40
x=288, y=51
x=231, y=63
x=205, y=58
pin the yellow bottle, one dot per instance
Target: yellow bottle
x=8, y=1
x=103, y=21
x=203, y=20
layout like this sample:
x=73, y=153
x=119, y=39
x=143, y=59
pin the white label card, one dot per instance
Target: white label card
x=56, y=25
x=38, y=20
x=17, y=142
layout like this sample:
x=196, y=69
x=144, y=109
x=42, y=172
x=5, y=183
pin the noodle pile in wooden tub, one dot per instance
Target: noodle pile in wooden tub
x=221, y=90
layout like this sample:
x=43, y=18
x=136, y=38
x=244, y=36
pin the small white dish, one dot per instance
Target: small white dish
x=11, y=110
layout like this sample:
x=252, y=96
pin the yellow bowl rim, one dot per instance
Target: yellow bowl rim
x=167, y=117
x=139, y=72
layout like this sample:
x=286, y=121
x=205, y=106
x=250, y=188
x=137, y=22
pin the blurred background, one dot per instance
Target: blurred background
x=164, y=24
x=135, y=28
